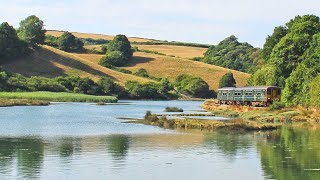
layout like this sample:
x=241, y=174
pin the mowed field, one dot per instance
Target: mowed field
x=177, y=51
x=50, y=62
x=171, y=67
x=96, y=36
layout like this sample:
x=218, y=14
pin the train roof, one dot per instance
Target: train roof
x=247, y=88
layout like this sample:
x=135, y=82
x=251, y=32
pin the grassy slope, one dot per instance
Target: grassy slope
x=96, y=36
x=171, y=67
x=177, y=51
x=51, y=62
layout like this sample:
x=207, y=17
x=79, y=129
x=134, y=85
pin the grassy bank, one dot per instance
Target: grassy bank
x=57, y=97
x=265, y=114
x=208, y=125
x=22, y=102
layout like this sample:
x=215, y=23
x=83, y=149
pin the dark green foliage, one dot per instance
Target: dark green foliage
x=227, y=80
x=114, y=58
x=277, y=105
x=90, y=41
x=315, y=92
x=278, y=33
x=122, y=44
x=32, y=30
x=149, y=117
x=107, y=85
x=142, y=73
x=16, y=82
x=294, y=61
x=68, y=42
x=193, y=86
x=51, y=41
x=149, y=90
x=232, y=54
x=173, y=109
x=10, y=45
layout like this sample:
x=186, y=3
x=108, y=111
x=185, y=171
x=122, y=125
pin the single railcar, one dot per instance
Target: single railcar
x=261, y=95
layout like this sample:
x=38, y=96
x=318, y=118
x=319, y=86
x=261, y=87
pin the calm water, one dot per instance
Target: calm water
x=84, y=141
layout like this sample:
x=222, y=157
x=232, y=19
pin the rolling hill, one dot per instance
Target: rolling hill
x=51, y=62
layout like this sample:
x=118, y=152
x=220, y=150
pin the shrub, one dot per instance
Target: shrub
x=277, y=105
x=173, y=109
x=194, y=86
x=142, y=73
x=114, y=58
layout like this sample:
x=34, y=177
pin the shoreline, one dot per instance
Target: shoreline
x=22, y=102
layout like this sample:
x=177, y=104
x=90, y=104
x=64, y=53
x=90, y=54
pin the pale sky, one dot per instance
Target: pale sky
x=199, y=21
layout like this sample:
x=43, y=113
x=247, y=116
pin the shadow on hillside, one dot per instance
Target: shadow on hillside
x=45, y=63
x=138, y=60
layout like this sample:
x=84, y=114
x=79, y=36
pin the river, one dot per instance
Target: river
x=86, y=141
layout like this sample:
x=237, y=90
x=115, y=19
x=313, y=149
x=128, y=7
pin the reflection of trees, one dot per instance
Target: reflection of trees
x=29, y=153
x=118, y=145
x=291, y=154
x=7, y=150
x=30, y=156
x=229, y=143
x=66, y=147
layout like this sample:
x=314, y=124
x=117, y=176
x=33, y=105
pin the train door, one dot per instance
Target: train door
x=274, y=94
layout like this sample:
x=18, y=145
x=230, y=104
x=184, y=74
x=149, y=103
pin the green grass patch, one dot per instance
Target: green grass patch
x=57, y=97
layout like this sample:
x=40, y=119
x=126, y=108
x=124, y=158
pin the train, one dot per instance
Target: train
x=255, y=95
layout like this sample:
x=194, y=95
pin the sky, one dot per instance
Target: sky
x=198, y=21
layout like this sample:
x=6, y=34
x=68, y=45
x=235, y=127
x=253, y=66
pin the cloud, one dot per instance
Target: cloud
x=203, y=21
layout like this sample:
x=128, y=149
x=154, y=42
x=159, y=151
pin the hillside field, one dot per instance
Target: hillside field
x=51, y=62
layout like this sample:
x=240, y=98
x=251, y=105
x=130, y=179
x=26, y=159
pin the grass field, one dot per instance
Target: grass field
x=171, y=67
x=51, y=62
x=177, y=51
x=163, y=66
x=96, y=36
x=57, y=97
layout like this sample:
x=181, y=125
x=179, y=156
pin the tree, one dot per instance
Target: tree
x=232, y=54
x=122, y=44
x=315, y=91
x=68, y=42
x=227, y=80
x=114, y=58
x=142, y=73
x=107, y=85
x=32, y=30
x=278, y=33
x=10, y=44
x=192, y=85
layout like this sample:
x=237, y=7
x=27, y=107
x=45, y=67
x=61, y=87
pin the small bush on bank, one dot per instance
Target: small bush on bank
x=173, y=109
x=277, y=105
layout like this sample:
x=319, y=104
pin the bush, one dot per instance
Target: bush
x=193, y=86
x=277, y=105
x=114, y=58
x=142, y=73
x=173, y=109
x=149, y=117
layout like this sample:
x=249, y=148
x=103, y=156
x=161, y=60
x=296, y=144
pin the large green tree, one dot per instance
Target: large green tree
x=32, y=30
x=68, y=42
x=232, y=54
x=227, y=80
x=122, y=44
x=10, y=44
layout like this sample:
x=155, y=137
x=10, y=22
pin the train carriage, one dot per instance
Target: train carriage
x=260, y=95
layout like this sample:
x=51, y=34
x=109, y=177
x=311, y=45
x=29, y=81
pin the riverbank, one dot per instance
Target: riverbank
x=202, y=124
x=57, y=97
x=264, y=114
x=22, y=102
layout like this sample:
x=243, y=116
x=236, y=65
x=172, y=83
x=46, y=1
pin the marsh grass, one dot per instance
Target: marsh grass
x=57, y=97
x=22, y=102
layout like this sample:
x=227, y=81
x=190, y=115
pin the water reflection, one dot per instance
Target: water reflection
x=291, y=154
x=230, y=143
x=284, y=154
